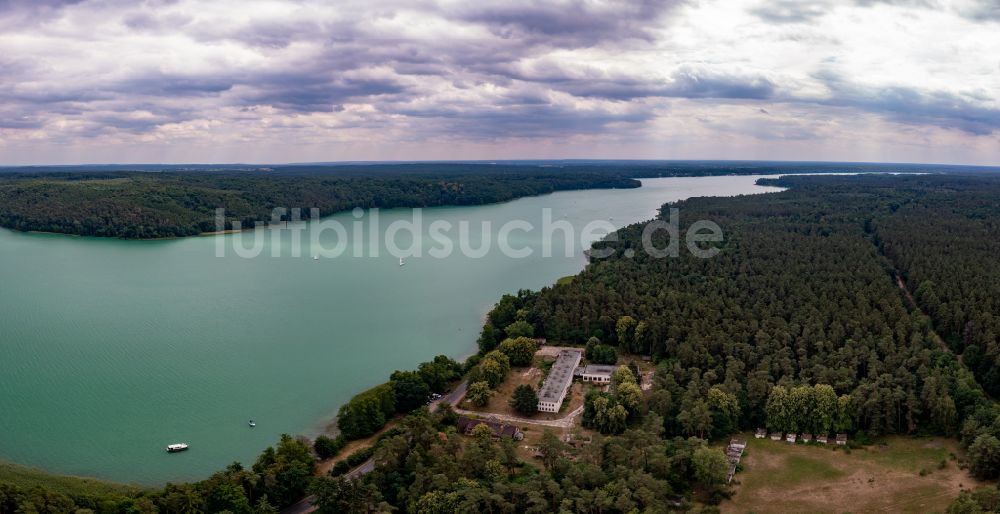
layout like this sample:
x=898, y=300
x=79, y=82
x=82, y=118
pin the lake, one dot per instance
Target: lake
x=110, y=349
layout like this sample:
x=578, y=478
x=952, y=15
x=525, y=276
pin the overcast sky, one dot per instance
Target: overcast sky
x=294, y=81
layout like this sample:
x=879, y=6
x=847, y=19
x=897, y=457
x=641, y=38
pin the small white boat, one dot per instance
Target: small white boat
x=401, y=263
x=315, y=257
x=252, y=424
x=178, y=447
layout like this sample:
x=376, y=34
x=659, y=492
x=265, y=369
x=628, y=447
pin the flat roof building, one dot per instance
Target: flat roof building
x=597, y=373
x=556, y=385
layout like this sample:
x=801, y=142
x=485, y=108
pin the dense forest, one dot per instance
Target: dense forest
x=152, y=201
x=799, y=294
x=140, y=205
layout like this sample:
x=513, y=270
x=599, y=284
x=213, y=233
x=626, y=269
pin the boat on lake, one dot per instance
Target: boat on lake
x=252, y=423
x=178, y=447
x=401, y=262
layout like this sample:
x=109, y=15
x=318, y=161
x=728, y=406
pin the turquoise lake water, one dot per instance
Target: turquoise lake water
x=110, y=349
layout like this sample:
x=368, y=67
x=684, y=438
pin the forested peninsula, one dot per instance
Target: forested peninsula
x=822, y=313
x=143, y=205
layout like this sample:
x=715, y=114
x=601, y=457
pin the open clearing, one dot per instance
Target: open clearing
x=779, y=477
x=500, y=402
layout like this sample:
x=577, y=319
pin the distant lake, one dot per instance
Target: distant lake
x=110, y=349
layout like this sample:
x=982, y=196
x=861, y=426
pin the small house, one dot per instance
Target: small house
x=760, y=433
x=821, y=439
x=775, y=436
x=790, y=437
x=841, y=439
x=806, y=438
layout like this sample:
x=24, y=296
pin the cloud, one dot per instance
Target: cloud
x=573, y=23
x=791, y=11
x=685, y=83
x=529, y=120
x=128, y=74
x=914, y=106
x=311, y=92
x=984, y=10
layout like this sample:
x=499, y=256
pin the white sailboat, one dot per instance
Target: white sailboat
x=401, y=262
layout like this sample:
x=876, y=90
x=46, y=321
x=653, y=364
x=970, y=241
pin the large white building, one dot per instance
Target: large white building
x=560, y=378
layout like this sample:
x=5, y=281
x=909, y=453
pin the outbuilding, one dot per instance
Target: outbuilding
x=597, y=373
x=500, y=430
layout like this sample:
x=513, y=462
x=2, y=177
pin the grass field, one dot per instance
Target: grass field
x=900, y=475
x=26, y=477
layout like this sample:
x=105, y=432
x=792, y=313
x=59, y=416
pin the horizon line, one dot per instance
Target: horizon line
x=494, y=161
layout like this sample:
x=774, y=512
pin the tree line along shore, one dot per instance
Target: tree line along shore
x=797, y=325
x=152, y=202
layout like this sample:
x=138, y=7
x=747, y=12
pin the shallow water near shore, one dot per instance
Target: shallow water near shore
x=110, y=350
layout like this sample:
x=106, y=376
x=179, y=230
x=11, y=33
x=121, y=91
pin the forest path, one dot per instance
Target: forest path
x=913, y=303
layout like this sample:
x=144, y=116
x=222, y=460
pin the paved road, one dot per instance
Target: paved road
x=305, y=506
x=453, y=397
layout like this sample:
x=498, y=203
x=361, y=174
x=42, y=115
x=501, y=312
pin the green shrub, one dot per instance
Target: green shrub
x=327, y=447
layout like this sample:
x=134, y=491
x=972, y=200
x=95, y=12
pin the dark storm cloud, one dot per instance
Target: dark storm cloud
x=316, y=93
x=685, y=83
x=528, y=120
x=571, y=24
x=19, y=120
x=912, y=106
x=706, y=85
x=35, y=6
x=22, y=13
x=106, y=123
x=985, y=10
x=148, y=21
x=158, y=83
